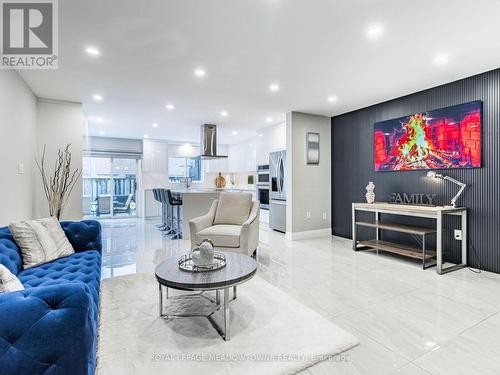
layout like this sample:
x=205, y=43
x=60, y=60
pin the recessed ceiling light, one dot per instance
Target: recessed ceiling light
x=441, y=59
x=96, y=119
x=101, y=133
x=155, y=125
x=274, y=87
x=332, y=99
x=199, y=72
x=374, y=32
x=234, y=132
x=97, y=97
x=269, y=119
x=92, y=51
x=261, y=135
x=223, y=113
x=170, y=107
x=145, y=136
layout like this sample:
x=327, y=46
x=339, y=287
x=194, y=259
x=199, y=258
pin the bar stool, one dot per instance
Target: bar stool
x=175, y=203
x=165, y=226
x=156, y=196
x=167, y=212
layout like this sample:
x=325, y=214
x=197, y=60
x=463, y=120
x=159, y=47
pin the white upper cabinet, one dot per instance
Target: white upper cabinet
x=155, y=156
x=242, y=157
x=217, y=165
x=273, y=139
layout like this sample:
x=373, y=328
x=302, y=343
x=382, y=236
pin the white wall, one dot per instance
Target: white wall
x=59, y=124
x=18, y=129
x=309, y=186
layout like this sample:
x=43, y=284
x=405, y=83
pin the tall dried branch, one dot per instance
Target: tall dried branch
x=60, y=184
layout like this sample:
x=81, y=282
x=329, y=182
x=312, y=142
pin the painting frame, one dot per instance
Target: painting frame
x=453, y=139
x=312, y=148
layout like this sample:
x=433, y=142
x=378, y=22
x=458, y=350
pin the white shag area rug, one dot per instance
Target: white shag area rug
x=271, y=333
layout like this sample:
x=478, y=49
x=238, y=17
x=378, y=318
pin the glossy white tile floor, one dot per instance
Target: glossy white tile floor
x=409, y=321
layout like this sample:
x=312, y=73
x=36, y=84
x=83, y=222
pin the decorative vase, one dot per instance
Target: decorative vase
x=220, y=182
x=370, y=192
x=203, y=255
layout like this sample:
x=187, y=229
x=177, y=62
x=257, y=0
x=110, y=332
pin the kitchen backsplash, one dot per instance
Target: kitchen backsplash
x=152, y=180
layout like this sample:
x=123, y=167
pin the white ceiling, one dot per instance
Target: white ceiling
x=312, y=48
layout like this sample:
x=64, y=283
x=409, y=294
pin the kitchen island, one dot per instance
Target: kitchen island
x=195, y=202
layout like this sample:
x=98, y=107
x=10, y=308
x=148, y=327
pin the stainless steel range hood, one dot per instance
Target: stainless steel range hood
x=208, y=142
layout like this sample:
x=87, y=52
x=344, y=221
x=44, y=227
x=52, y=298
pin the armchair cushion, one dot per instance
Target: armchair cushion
x=221, y=235
x=233, y=208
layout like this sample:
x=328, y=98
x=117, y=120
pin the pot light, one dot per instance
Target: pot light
x=269, y=119
x=92, y=51
x=97, y=97
x=155, y=125
x=261, y=135
x=332, y=99
x=234, y=132
x=223, y=113
x=170, y=107
x=101, y=133
x=199, y=72
x=441, y=59
x=145, y=136
x=274, y=87
x=374, y=32
x=96, y=119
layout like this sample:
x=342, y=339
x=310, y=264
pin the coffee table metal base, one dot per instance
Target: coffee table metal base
x=217, y=306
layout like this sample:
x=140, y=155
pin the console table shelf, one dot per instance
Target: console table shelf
x=397, y=227
x=429, y=212
x=395, y=248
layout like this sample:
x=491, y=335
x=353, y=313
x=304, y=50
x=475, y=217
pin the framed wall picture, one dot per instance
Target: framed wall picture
x=439, y=139
x=312, y=148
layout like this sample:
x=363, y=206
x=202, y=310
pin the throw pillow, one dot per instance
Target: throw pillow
x=8, y=281
x=40, y=241
x=233, y=208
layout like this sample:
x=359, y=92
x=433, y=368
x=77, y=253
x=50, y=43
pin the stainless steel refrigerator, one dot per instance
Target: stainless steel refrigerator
x=277, y=190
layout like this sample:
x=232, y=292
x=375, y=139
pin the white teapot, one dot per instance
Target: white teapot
x=203, y=255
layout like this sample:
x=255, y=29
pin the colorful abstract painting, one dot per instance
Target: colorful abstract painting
x=439, y=139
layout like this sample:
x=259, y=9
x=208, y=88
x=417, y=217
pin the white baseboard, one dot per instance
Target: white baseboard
x=294, y=236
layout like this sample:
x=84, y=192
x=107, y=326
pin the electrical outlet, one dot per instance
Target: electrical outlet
x=308, y=214
x=324, y=215
x=458, y=234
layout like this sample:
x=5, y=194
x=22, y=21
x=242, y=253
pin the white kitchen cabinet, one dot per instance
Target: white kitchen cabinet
x=242, y=157
x=218, y=165
x=155, y=156
x=273, y=139
x=152, y=208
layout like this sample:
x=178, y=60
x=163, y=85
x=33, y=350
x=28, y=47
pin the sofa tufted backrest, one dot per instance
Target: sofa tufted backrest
x=10, y=255
x=83, y=235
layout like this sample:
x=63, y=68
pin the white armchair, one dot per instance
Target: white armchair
x=232, y=224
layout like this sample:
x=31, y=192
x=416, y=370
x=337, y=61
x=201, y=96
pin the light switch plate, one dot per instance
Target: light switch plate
x=20, y=168
x=308, y=214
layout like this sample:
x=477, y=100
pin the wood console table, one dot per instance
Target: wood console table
x=431, y=212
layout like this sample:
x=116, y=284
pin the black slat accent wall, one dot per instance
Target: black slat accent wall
x=352, y=168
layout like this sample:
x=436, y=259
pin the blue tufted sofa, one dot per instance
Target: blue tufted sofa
x=51, y=327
